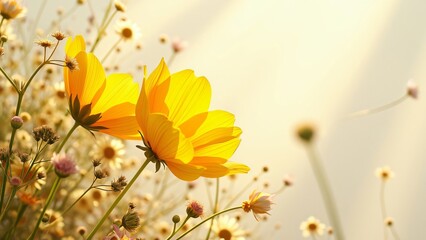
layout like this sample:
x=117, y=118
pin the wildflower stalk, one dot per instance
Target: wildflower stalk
x=105, y=22
x=9, y=79
x=383, y=208
x=118, y=199
x=180, y=227
x=52, y=194
x=207, y=219
x=111, y=49
x=78, y=199
x=6, y=208
x=60, y=146
x=215, y=208
x=378, y=109
x=326, y=193
x=1, y=24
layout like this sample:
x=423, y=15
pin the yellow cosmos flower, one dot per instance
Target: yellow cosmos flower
x=180, y=132
x=97, y=102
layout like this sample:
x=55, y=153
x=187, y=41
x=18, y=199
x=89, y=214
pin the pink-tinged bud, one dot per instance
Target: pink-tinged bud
x=64, y=165
x=178, y=45
x=15, y=181
x=412, y=89
x=16, y=122
x=194, y=209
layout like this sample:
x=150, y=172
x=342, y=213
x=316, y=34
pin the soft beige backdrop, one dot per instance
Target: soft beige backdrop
x=276, y=63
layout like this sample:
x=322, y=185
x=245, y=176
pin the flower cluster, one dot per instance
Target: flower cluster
x=64, y=155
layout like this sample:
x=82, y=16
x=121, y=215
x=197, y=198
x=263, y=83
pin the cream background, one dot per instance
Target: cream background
x=277, y=63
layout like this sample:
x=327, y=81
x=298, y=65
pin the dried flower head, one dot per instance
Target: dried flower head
x=259, y=203
x=15, y=181
x=46, y=134
x=312, y=227
x=44, y=43
x=71, y=63
x=194, y=209
x=64, y=165
x=130, y=220
x=59, y=35
x=384, y=173
x=100, y=173
x=119, y=184
x=16, y=122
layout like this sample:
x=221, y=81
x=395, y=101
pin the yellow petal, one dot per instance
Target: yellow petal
x=185, y=172
x=152, y=95
x=74, y=46
x=217, y=135
x=220, y=150
x=166, y=141
x=75, y=80
x=119, y=88
x=188, y=95
x=204, y=122
x=95, y=78
x=122, y=127
x=234, y=167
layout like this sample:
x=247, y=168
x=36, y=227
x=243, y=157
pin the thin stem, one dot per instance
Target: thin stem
x=52, y=194
x=111, y=49
x=60, y=146
x=1, y=24
x=383, y=208
x=118, y=199
x=180, y=227
x=6, y=208
x=394, y=233
x=326, y=193
x=9, y=79
x=78, y=199
x=104, y=25
x=171, y=59
x=216, y=206
x=207, y=219
x=249, y=184
x=377, y=109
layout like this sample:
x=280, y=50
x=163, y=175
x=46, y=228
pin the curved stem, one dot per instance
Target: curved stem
x=180, y=227
x=377, y=109
x=205, y=220
x=104, y=25
x=118, y=199
x=60, y=146
x=78, y=199
x=326, y=192
x=48, y=201
x=111, y=49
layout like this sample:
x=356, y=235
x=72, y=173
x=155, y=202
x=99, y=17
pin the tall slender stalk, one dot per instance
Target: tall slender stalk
x=118, y=199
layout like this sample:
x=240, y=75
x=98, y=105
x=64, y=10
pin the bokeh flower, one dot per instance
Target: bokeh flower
x=180, y=132
x=384, y=173
x=227, y=228
x=127, y=29
x=10, y=9
x=312, y=227
x=97, y=102
x=110, y=151
x=258, y=203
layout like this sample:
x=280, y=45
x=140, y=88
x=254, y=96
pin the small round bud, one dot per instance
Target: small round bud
x=16, y=122
x=45, y=218
x=81, y=230
x=176, y=219
x=130, y=221
x=15, y=181
x=305, y=132
x=389, y=221
x=3, y=38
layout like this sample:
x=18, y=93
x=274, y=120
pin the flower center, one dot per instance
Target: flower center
x=225, y=234
x=127, y=33
x=312, y=227
x=109, y=152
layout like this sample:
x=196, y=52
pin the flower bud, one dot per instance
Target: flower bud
x=16, y=122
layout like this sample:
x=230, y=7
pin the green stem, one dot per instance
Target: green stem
x=6, y=208
x=111, y=49
x=104, y=25
x=214, y=209
x=118, y=199
x=6, y=170
x=60, y=146
x=78, y=199
x=180, y=227
x=207, y=219
x=9, y=79
x=326, y=193
x=52, y=194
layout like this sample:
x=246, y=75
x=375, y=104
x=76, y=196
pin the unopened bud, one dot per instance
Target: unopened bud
x=16, y=122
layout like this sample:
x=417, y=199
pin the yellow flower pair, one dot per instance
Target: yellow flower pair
x=171, y=113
